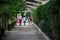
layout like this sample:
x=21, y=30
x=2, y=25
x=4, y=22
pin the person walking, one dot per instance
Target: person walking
x=24, y=20
x=28, y=19
x=20, y=19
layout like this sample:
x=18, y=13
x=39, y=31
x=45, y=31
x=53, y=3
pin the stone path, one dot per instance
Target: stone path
x=28, y=32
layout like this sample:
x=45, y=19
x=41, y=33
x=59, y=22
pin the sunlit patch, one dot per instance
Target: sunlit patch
x=22, y=24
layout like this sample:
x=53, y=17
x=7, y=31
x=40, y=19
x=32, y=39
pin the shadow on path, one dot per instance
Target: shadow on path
x=28, y=32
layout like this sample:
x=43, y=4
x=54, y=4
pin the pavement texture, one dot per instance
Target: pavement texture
x=27, y=32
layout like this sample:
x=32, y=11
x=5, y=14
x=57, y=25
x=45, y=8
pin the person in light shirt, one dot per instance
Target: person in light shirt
x=28, y=19
x=20, y=19
x=24, y=20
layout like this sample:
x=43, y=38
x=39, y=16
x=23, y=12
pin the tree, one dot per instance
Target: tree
x=9, y=9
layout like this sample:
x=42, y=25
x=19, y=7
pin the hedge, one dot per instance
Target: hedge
x=48, y=17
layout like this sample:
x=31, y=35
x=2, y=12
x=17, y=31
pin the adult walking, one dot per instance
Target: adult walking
x=20, y=19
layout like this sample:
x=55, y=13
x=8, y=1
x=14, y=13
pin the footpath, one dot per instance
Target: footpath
x=24, y=32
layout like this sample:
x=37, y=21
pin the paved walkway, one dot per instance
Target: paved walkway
x=28, y=32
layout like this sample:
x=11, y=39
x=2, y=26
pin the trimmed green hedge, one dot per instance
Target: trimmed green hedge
x=48, y=16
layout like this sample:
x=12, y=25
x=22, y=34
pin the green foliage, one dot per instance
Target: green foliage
x=48, y=17
x=34, y=16
x=9, y=8
x=28, y=14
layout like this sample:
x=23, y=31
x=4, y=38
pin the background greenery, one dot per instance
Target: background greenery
x=9, y=9
x=47, y=17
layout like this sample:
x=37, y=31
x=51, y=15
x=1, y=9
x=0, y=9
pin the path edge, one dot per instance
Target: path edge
x=45, y=36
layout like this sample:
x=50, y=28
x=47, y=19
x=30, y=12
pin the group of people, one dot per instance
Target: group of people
x=23, y=19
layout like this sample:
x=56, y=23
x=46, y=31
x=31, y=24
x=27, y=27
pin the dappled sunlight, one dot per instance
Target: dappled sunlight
x=23, y=24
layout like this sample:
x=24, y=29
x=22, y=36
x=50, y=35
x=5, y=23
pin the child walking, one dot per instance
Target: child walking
x=24, y=20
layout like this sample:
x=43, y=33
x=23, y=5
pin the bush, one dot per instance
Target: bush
x=48, y=16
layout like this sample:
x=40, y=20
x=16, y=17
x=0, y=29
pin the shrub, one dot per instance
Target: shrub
x=48, y=16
